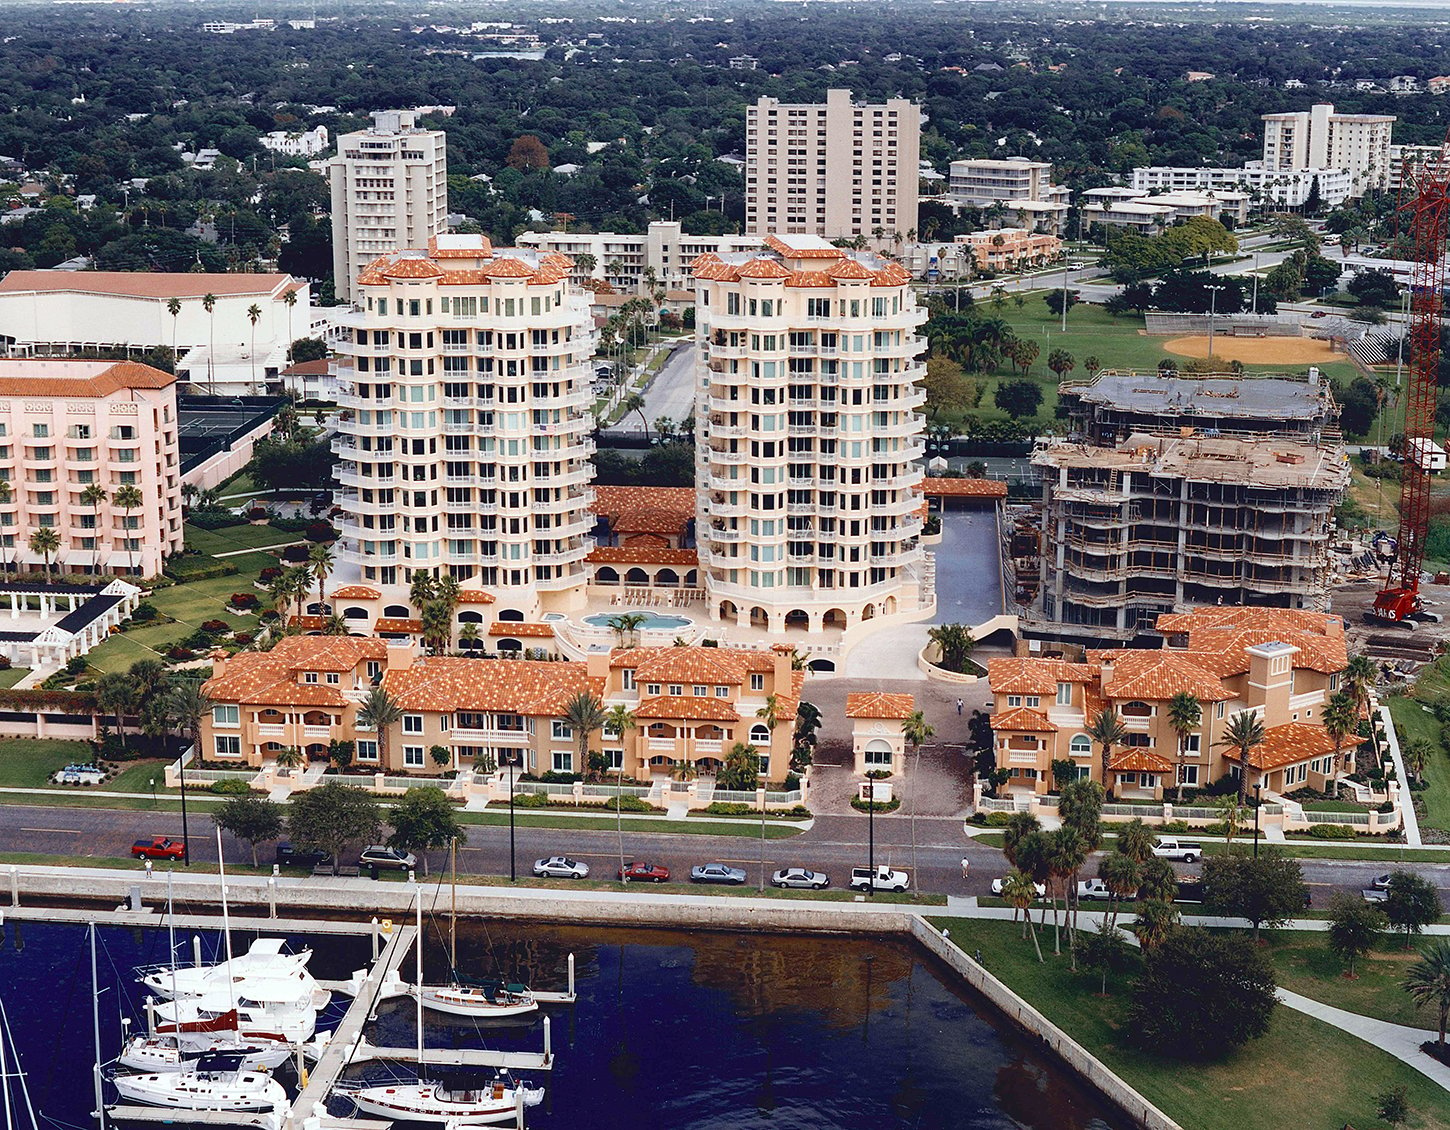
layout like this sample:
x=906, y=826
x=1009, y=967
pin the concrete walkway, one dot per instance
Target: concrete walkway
x=1401, y=1042
x=1407, y=805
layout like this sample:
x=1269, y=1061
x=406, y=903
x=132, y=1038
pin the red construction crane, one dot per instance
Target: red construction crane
x=1427, y=209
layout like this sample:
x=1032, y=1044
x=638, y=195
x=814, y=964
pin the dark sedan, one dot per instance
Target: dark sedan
x=289, y=856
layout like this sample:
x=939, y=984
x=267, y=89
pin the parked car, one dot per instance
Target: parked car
x=158, y=847
x=1094, y=889
x=289, y=856
x=1374, y=894
x=800, y=877
x=380, y=855
x=1039, y=888
x=561, y=867
x=717, y=873
x=1186, y=851
x=637, y=872
x=1190, y=889
x=882, y=879
x=1381, y=882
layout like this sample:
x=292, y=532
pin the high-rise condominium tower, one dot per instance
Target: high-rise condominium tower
x=464, y=439
x=389, y=190
x=809, y=496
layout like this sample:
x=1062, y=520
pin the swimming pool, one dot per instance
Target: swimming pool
x=652, y=622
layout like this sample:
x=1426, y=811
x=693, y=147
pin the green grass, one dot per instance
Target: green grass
x=12, y=675
x=229, y=539
x=634, y=825
x=1305, y=965
x=27, y=763
x=1347, y=851
x=1303, y=1073
x=1332, y=806
x=1412, y=722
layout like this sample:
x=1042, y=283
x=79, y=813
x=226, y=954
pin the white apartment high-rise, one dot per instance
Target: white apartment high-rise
x=465, y=442
x=833, y=168
x=389, y=190
x=809, y=496
x=1319, y=138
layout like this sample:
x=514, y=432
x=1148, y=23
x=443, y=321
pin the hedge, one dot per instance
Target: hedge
x=198, y=568
x=55, y=702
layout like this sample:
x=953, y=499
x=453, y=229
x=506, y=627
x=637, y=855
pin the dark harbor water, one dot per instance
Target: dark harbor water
x=672, y=1030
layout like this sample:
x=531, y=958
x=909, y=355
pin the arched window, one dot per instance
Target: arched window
x=760, y=734
x=1137, y=709
x=1080, y=746
x=511, y=615
x=397, y=611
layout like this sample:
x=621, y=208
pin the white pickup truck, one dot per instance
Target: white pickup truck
x=1184, y=850
x=882, y=879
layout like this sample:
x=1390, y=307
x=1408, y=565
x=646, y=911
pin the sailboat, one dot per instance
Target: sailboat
x=496, y=1102
x=12, y=1108
x=481, y=999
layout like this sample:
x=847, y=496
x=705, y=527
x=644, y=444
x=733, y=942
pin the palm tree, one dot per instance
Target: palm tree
x=290, y=300
x=1108, y=731
x=7, y=493
x=127, y=499
x=377, y=712
x=437, y=626
x=320, y=560
x=1185, y=714
x=447, y=589
x=116, y=693
x=208, y=303
x=299, y=584
x=1122, y=875
x=625, y=626
x=420, y=589
x=468, y=635
x=1340, y=717
x=619, y=719
x=586, y=263
x=1154, y=922
x=955, y=642
x=584, y=713
x=93, y=496
x=1428, y=982
x=289, y=758
x=1065, y=854
x=173, y=307
x=1135, y=841
x=45, y=541
x=1020, y=825
x=254, y=314
x=1019, y=890
x=634, y=402
x=1245, y=731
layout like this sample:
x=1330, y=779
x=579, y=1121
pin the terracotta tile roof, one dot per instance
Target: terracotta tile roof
x=518, y=628
x=1022, y=720
x=1139, y=760
x=848, y=268
x=475, y=596
x=482, y=249
x=317, y=368
x=1224, y=632
x=656, y=510
x=308, y=623
x=642, y=555
x=962, y=488
x=397, y=624
x=1290, y=744
x=1036, y=676
x=407, y=267
x=144, y=284
x=722, y=665
x=775, y=243
x=517, y=686
x=763, y=268
x=1156, y=676
x=88, y=378
x=810, y=278
x=877, y=704
x=356, y=592
x=271, y=678
x=893, y=274
x=687, y=706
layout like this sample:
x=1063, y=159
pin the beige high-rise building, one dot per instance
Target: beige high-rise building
x=832, y=168
x=809, y=505
x=464, y=439
x=1319, y=138
x=389, y=190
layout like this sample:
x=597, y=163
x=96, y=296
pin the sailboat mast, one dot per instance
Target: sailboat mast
x=453, y=916
x=171, y=940
x=96, y=1028
x=418, y=996
x=221, y=865
x=5, y=1078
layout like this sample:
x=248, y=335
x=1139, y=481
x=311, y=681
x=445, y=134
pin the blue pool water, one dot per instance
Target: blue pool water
x=652, y=622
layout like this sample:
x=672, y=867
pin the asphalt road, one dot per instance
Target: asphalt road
x=834, y=845
x=671, y=393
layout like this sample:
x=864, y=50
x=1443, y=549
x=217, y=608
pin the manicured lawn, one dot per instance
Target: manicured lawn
x=1411, y=722
x=12, y=675
x=1304, y=1073
x=1305, y=964
x=27, y=763
x=137, y=776
x=1332, y=806
x=231, y=538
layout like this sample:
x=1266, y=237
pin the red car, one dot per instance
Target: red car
x=158, y=847
x=646, y=873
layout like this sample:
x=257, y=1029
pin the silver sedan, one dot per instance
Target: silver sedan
x=800, y=877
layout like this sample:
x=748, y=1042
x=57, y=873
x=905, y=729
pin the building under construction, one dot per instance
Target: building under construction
x=1168, y=518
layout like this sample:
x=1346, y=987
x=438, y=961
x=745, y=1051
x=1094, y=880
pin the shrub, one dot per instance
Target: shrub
x=244, y=601
x=215, y=626
x=243, y=638
x=213, y=519
x=724, y=808
x=885, y=806
x=76, y=665
x=145, y=612
x=269, y=574
x=180, y=654
x=232, y=786
x=1174, y=826
x=182, y=569
x=628, y=804
x=993, y=819
x=289, y=525
x=531, y=800
x=297, y=554
x=552, y=778
x=4, y=663
x=1332, y=832
x=257, y=514
x=320, y=531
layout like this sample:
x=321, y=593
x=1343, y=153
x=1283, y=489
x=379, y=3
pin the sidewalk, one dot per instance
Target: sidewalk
x=1401, y=1042
x=1407, y=805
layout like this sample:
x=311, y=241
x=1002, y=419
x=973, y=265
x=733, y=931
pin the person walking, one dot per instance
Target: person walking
x=960, y=704
x=966, y=866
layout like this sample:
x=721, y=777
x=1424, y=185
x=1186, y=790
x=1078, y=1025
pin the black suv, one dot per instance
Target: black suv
x=289, y=856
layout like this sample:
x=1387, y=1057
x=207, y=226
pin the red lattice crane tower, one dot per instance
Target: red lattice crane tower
x=1427, y=210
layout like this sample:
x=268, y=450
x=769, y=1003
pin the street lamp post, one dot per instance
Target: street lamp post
x=1258, y=804
x=1212, y=309
x=871, y=835
x=513, y=871
x=1256, y=282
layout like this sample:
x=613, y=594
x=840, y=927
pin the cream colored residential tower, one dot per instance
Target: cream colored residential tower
x=809, y=495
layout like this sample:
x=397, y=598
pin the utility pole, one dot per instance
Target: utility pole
x=1064, y=291
x=1212, y=308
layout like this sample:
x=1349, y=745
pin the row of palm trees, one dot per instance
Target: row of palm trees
x=1244, y=732
x=45, y=541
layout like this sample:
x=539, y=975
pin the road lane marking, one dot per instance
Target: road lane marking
x=66, y=831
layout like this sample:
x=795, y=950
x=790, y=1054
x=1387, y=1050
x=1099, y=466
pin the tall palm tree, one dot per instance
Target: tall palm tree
x=1065, y=854
x=1428, y=982
x=1245, y=731
x=447, y=589
x=254, y=315
x=634, y=402
x=377, y=712
x=127, y=499
x=321, y=561
x=437, y=626
x=1019, y=890
x=620, y=720
x=208, y=303
x=916, y=730
x=1185, y=714
x=1340, y=716
x=173, y=307
x=468, y=636
x=420, y=589
x=45, y=541
x=290, y=300
x=93, y=496
x=299, y=584
x=625, y=626
x=584, y=713
x=1108, y=731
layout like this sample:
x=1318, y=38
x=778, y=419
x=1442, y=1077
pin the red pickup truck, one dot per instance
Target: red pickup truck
x=158, y=847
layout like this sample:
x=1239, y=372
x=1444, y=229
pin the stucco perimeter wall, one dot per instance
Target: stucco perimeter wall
x=1144, y=1113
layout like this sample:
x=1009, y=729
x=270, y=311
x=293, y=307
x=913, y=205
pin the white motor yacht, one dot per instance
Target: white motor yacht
x=214, y=1083
x=270, y=1010
x=167, y=1053
x=265, y=959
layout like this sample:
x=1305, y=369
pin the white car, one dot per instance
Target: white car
x=1040, y=888
x=800, y=877
x=561, y=867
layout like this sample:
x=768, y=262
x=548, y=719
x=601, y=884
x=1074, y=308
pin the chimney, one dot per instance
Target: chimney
x=1271, y=680
x=401, y=654
x=598, y=664
x=218, y=662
